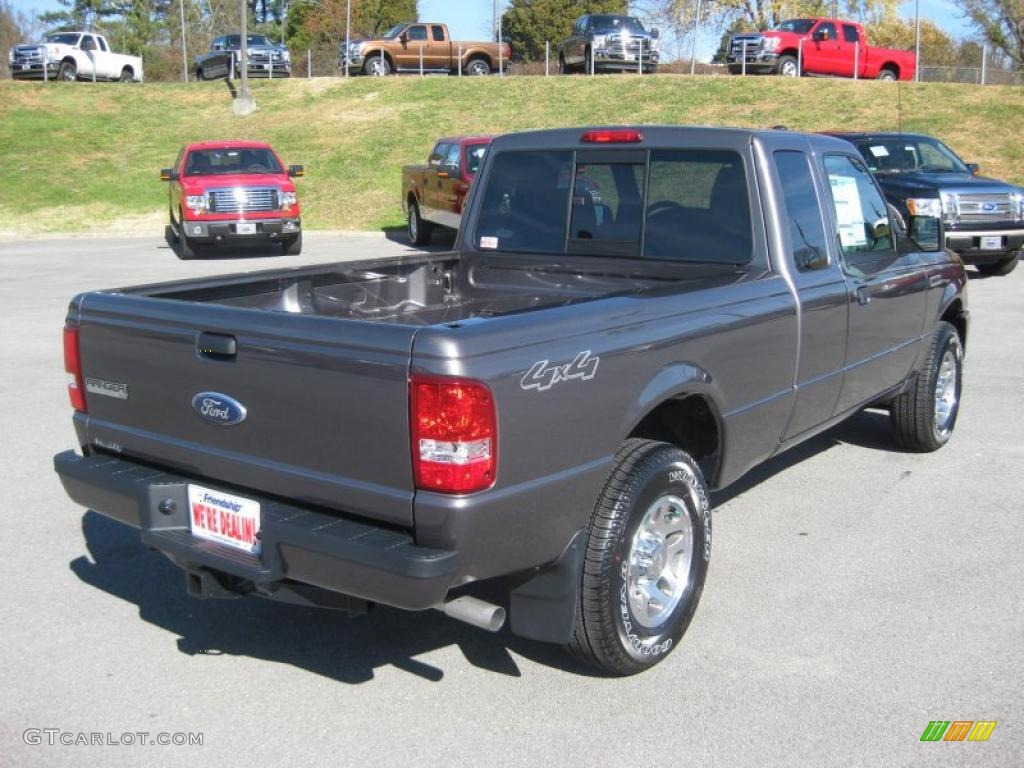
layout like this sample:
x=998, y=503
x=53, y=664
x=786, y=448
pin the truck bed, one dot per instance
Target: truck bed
x=412, y=292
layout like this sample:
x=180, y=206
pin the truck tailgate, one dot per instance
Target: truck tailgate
x=326, y=399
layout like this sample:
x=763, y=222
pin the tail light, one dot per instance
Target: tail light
x=626, y=136
x=73, y=367
x=454, y=431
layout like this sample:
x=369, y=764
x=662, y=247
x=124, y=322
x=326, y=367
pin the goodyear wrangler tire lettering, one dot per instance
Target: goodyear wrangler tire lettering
x=646, y=559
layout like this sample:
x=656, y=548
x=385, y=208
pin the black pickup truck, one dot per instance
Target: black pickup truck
x=983, y=219
x=630, y=318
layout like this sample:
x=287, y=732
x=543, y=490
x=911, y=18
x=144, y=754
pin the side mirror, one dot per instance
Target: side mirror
x=404, y=38
x=168, y=174
x=296, y=170
x=881, y=229
x=973, y=168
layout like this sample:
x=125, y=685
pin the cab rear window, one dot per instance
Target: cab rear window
x=670, y=205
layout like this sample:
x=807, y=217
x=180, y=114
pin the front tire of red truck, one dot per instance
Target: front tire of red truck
x=292, y=246
x=787, y=67
x=646, y=559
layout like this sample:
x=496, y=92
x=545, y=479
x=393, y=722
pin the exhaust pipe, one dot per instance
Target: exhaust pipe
x=474, y=611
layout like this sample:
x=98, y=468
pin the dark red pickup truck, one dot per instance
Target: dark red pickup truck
x=817, y=47
x=435, y=193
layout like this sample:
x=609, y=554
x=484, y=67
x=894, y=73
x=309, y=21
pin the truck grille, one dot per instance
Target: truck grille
x=244, y=200
x=753, y=43
x=28, y=55
x=985, y=207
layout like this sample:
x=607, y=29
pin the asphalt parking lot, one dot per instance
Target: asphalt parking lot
x=855, y=594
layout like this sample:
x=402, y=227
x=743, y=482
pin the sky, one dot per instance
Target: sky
x=471, y=19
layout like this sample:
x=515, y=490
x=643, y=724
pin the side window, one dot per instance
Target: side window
x=862, y=219
x=452, y=159
x=88, y=43
x=698, y=207
x=438, y=32
x=606, y=202
x=850, y=34
x=439, y=153
x=177, y=162
x=418, y=33
x=826, y=31
x=806, y=231
x=103, y=44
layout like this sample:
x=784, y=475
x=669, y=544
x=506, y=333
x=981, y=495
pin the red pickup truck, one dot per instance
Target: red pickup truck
x=232, y=191
x=817, y=47
x=435, y=193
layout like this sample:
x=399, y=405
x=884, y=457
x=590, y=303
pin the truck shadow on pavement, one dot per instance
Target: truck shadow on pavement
x=350, y=649
x=227, y=251
x=442, y=241
x=320, y=641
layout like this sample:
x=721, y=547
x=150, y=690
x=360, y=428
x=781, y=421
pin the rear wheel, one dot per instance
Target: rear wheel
x=478, y=67
x=419, y=230
x=292, y=246
x=68, y=71
x=924, y=416
x=126, y=75
x=888, y=73
x=787, y=67
x=646, y=559
x=1001, y=267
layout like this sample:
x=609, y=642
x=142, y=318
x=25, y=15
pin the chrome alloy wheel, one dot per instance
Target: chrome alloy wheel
x=789, y=69
x=947, y=393
x=659, y=561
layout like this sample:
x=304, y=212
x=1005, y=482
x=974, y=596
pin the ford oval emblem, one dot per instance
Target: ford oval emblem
x=218, y=408
x=988, y=207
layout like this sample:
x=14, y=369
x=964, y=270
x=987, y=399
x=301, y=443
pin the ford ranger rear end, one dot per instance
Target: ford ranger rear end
x=630, y=317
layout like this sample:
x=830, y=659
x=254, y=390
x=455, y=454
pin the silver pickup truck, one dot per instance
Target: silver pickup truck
x=545, y=408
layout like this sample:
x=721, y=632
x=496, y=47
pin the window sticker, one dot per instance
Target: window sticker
x=879, y=151
x=849, y=214
x=489, y=242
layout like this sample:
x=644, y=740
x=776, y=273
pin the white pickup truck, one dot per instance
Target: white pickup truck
x=73, y=56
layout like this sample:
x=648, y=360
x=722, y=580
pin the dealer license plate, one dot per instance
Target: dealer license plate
x=224, y=518
x=992, y=243
x=246, y=228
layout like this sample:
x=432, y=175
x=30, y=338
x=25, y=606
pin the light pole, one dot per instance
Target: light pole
x=184, y=53
x=696, y=34
x=917, y=41
x=244, y=104
x=348, y=33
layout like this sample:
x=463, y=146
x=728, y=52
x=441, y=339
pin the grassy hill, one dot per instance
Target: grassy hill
x=84, y=157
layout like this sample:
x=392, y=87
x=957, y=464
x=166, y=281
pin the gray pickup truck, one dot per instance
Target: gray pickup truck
x=629, y=318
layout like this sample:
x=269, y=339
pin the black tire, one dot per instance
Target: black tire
x=478, y=67
x=200, y=74
x=1001, y=267
x=888, y=74
x=187, y=248
x=418, y=229
x=377, y=65
x=68, y=71
x=293, y=245
x=563, y=68
x=916, y=417
x=126, y=76
x=588, y=64
x=787, y=66
x=609, y=634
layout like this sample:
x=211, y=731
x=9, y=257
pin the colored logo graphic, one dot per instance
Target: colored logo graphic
x=958, y=730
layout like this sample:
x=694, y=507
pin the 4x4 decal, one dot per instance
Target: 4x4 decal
x=542, y=376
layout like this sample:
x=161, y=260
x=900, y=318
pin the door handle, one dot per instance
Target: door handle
x=935, y=280
x=218, y=346
x=863, y=294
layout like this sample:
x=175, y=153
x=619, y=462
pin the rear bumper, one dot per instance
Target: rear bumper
x=212, y=231
x=297, y=545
